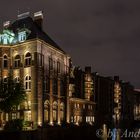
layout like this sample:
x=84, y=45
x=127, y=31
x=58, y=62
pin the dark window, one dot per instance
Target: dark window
x=5, y=61
x=17, y=61
x=58, y=67
x=50, y=64
x=28, y=59
x=47, y=84
x=28, y=82
x=55, y=86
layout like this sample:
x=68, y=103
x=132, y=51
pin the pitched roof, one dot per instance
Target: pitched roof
x=36, y=32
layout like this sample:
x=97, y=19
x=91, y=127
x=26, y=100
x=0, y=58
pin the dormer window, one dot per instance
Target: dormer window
x=22, y=36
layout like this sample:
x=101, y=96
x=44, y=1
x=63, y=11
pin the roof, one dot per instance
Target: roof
x=36, y=32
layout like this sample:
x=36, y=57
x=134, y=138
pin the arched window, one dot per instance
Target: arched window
x=17, y=61
x=28, y=59
x=5, y=61
x=62, y=111
x=28, y=82
x=46, y=110
x=55, y=111
x=17, y=79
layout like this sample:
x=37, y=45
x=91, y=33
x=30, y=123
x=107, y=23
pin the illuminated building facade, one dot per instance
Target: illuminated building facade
x=31, y=56
x=81, y=96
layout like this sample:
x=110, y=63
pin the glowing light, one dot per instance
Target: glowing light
x=39, y=123
x=51, y=123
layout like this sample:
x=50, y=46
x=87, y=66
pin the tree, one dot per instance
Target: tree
x=11, y=94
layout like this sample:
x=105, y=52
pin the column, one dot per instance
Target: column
x=51, y=99
x=58, y=92
x=68, y=101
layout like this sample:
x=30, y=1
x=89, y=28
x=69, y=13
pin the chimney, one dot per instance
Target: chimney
x=38, y=19
x=6, y=24
x=116, y=78
x=88, y=69
x=23, y=15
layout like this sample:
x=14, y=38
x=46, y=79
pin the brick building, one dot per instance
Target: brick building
x=31, y=56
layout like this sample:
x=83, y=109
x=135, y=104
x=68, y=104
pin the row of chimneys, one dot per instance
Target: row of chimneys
x=38, y=19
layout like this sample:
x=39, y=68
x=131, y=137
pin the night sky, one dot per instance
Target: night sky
x=102, y=33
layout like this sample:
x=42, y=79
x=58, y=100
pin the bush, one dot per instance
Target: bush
x=14, y=125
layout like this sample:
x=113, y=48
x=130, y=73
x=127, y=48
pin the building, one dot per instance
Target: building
x=82, y=105
x=104, y=90
x=137, y=105
x=114, y=102
x=38, y=61
x=31, y=56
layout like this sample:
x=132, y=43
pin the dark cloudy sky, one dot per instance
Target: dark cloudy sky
x=102, y=33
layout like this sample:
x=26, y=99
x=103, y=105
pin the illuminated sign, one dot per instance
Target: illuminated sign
x=8, y=37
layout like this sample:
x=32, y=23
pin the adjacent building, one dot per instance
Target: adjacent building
x=81, y=96
x=114, y=102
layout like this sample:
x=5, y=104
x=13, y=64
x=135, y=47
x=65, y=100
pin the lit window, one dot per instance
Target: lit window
x=14, y=116
x=29, y=104
x=5, y=61
x=75, y=118
x=17, y=61
x=26, y=105
x=18, y=107
x=46, y=110
x=54, y=111
x=46, y=104
x=27, y=115
x=28, y=59
x=22, y=36
x=5, y=39
x=28, y=82
x=62, y=111
x=7, y=117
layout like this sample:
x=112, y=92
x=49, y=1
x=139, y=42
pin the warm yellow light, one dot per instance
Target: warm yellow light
x=58, y=123
x=39, y=123
x=51, y=123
